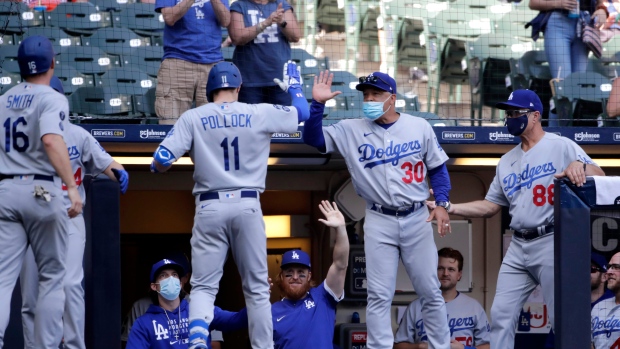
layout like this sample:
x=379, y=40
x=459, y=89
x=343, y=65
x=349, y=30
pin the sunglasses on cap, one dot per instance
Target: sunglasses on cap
x=372, y=79
x=517, y=112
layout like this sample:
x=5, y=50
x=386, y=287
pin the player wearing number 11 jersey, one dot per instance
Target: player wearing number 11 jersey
x=524, y=183
x=228, y=142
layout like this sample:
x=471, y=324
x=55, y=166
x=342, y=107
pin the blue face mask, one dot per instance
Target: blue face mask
x=516, y=126
x=374, y=110
x=170, y=288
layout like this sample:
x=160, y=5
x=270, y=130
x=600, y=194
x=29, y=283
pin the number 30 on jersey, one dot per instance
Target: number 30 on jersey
x=413, y=172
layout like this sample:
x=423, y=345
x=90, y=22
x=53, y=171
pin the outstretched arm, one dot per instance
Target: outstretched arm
x=338, y=270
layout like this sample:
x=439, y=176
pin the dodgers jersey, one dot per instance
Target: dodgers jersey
x=388, y=167
x=467, y=320
x=606, y=324
x=306, y=323
x=87, y=157
x=30, y=112
x=524, y=180
x=229, y=143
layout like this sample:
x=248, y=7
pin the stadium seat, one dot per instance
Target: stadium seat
x=227, y=52
x=406, y=104
x=573, y=94
x=142, y=18
x=532, y=71
x=16, y=17
x=7, y=39
x=489, y=64
x=101, y=102
x=81, y=18
x=72, y=79
x=128, y=81
x=330, y=12
x=344, y=82
x=310, y=65
x=8, y=80
x=145, y=103
x=88, y=60
x=147, y=59
x=116, y=41
x=8, y=58
x=113, y=5
x=514, y=22
x=59, y=38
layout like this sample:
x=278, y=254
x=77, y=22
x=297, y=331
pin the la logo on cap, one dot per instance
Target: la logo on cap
x=167, y=261
x=510, y=97
x=295, y=255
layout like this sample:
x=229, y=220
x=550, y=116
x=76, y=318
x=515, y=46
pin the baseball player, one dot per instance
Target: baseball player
x=469, y=327
x=165, y=323
x=524, y=183
x=33, y=163
x=605, y=314
x=390, y=155
x=87, y=157
x=308, y=312
x=229, y=144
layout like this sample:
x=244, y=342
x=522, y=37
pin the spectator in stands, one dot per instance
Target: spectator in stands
x=565, y=51
x=192, y=39
x=469, y=327
x=166, y=322
x=604, y=321
x=262, y=31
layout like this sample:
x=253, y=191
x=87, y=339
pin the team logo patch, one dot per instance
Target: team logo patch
x=224, y=107
x=62, y=127
x=229, y=195
x=309, y=304
x=62, y=115
x=295, y=255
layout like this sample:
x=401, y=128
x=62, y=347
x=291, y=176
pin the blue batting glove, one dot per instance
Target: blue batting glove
x=291, y=77
x=123, y=179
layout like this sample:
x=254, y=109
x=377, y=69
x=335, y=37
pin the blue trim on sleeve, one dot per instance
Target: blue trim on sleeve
x=313, y=128
x=440, y=182
x=300, y=103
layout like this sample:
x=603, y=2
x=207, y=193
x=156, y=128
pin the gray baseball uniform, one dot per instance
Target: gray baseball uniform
x=87, y=157
x=31, y=204
x=467, y=321
x=229, y=145
x=524, y=182
x=388, y=168
x=606, y=324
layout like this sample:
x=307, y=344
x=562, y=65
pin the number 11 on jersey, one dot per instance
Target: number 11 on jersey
x=235, y=145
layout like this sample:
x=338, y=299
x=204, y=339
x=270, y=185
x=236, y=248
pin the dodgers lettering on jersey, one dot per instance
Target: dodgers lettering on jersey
x=229, y=143
x=467, y=321
x=524, y=180
x=30, y=111
x=606, y=324
x=388, y=167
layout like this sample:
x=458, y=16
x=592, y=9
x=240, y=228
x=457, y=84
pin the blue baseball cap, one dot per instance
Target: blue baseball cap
x=35, y=55
x=295, y=257
x=166, y=264
x=56, y=84
x=599, y=260
x=522, y=99
x=377, y=80
x=182, y=259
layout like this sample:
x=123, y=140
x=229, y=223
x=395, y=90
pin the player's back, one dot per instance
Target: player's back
x=229, y=143
x=29, y=111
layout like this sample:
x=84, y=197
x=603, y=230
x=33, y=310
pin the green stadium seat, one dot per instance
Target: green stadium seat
x=584, y=97
x=72, y=79
x=227, y=52
x=113, y=5
x=310, y=65
x=434, y=119
x=88, y=60
x=16, y=17
x=7, y=39
x=101, y=102
x=81, y=18
x=8, y=80
x=128, y=81
x=59, y=38
x=116, y=41
x=147, y=59
x=8, y=57
x=145, y=103
x=142, y=18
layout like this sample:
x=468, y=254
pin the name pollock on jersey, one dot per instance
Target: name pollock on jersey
x=516, y=181
x=393, y=153
x=223, y=121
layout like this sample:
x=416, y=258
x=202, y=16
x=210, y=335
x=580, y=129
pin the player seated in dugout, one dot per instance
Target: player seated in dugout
x=165, y=325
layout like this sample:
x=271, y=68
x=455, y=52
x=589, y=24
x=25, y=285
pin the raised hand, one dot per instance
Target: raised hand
x=322, y=89
x=333, y=217
x=291, y=77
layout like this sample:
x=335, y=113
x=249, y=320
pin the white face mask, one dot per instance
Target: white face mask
x=374, y=110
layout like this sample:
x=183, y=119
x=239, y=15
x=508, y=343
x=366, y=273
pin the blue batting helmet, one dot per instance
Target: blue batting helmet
x=35, y=55
x=222, y=75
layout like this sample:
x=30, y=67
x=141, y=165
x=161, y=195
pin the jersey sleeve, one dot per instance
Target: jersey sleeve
x=482, y=332
x=330, y=297
x=159, y=4
x=94, y=157
x=237, y=6
x=138, y=337
x=495, y=193
x=227, y=321
x=575, y=152
x=285, y=5
x=276, y=118
x=405, y=331
x=179, y=139
x=335, y=138
x=54, y=113
x=435, y=156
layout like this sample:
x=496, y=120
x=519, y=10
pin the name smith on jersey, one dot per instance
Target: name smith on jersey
x=19, y=101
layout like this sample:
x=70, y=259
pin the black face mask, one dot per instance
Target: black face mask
x=516, y=126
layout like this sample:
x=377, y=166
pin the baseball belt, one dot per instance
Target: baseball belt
x=530, y=234
x=403, y=212
x=214, y=195
x=36, y=177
